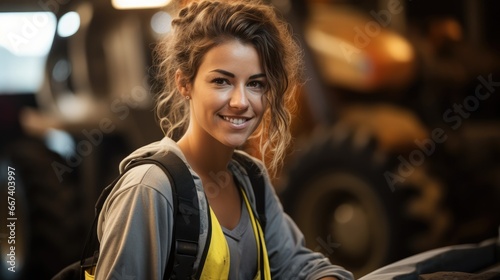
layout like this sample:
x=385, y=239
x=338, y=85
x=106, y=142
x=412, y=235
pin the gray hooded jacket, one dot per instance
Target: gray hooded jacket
x=137, y=218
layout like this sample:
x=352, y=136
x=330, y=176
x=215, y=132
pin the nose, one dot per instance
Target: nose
x=239, y=99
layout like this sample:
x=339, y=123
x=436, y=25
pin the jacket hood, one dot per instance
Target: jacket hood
x=165, y=145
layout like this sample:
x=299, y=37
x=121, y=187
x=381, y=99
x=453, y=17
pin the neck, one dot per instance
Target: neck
x=205, y=154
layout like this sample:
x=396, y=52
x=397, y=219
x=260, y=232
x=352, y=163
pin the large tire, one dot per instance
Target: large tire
x=339, y=198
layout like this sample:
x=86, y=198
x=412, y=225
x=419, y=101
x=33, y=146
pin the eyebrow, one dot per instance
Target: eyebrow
x=229, y=74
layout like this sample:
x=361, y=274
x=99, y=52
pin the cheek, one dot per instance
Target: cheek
x=263, y=103
x=204, y=104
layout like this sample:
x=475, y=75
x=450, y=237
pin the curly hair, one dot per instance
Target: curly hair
x=203, y=25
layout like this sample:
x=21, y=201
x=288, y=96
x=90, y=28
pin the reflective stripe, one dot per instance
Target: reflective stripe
x=217, y=261
x=263, y=269
x=89, y=273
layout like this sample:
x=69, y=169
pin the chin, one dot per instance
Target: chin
x=234, y=143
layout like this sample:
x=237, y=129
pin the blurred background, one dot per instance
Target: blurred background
x=397, y=134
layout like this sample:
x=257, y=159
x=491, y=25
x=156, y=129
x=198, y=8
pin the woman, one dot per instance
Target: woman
x=230, y=69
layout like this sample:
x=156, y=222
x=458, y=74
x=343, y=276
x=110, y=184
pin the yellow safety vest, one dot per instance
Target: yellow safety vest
x=216, y=266
x=217, y=263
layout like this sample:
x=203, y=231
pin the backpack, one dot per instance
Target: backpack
x=186, y=216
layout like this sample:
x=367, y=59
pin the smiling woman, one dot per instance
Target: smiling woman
x=230, y=69
x=279, y=58
x=227, y=100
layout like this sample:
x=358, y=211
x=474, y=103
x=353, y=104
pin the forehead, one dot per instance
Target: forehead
x=233, y=56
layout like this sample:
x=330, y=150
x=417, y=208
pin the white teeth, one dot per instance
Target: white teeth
x=234, y=120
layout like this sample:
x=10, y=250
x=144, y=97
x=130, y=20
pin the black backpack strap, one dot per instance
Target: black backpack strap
x=257, y=179
x=184, y=248
x=187, y=215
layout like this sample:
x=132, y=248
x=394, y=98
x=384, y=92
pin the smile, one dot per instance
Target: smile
x=236, y=121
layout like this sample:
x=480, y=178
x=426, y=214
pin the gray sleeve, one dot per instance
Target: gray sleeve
x=289, y=258
x=133, y=229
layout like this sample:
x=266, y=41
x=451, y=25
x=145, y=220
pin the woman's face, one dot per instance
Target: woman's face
x=227, y=95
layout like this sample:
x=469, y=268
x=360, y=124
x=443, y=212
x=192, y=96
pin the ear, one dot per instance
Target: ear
x=181, y=82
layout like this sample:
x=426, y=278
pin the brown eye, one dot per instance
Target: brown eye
x=220, y=81
x=256, y=84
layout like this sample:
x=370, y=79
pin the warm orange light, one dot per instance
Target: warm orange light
x=399, y=48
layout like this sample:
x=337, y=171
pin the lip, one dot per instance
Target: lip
x=243, y=125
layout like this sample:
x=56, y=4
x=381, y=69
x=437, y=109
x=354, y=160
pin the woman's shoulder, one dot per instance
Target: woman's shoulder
x=142, y=180
x=147, y=175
